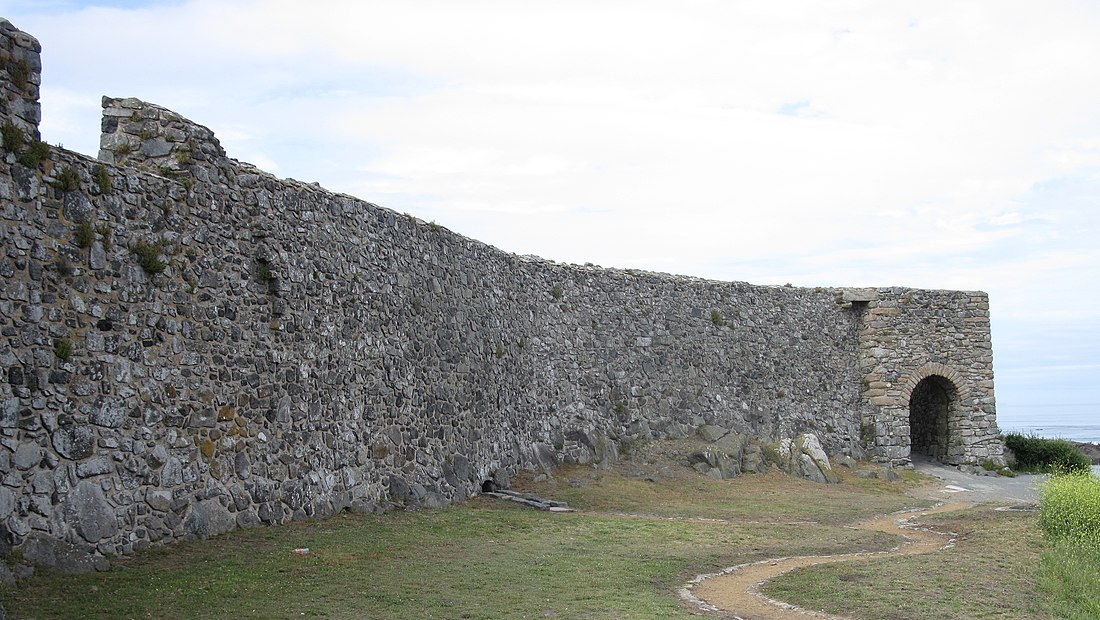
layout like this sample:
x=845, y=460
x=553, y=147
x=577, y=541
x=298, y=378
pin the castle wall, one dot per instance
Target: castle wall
x=288, y=352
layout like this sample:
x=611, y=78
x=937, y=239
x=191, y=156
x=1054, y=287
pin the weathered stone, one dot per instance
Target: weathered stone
x=97, y=256
x=94, y=467
x=158, y=456
x=159, y=500
x=110, y=413
x=73, y=442
x=709, y=432
x=62, y=556
x=209, y=518
x=90, y=513
x=7, y=502
x=27, y=455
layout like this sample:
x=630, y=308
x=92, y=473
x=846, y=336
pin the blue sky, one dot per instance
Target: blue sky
x=850, y=143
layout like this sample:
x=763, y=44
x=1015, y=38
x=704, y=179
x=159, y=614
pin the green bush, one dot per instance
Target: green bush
x=1041, y=454
x=102, y=179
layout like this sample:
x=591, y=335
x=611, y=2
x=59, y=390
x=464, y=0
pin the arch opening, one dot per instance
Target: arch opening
x=930, y=408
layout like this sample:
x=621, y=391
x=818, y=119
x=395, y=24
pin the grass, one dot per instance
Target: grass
x=12, y=137
x=102, y=179
x=1069, y=581
x=988, y=574
x=84, y=235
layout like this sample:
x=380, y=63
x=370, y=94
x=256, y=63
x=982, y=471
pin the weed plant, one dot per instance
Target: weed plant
x=13, y=137
x=84, y=235
x=35, y=154
x=149, y=257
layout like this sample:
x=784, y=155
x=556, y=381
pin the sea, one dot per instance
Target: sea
x=1076, y=422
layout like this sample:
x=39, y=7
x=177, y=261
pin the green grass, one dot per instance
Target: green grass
x=646, y=528
x=1069, y=579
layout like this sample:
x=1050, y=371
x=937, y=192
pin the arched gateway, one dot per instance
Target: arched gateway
x=933, y=405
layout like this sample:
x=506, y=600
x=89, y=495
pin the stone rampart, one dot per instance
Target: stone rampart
x=191, y=345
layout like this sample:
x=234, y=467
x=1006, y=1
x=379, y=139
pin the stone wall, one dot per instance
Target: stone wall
x=190, y=345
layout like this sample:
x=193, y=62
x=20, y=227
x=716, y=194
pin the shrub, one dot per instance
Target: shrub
x=716, y=317
x=556, y=292
x=1041, y=454
x=1069, y=515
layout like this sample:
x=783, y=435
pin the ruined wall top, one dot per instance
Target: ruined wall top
x=21, y=63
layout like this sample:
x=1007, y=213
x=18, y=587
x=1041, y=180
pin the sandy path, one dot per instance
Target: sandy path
x=736, y=589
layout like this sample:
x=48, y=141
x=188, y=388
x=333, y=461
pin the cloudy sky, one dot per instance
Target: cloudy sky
x=848, y=143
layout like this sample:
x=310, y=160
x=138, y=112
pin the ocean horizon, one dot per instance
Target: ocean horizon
x=1076, y=422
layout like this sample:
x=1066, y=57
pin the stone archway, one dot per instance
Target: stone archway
x=933, y=404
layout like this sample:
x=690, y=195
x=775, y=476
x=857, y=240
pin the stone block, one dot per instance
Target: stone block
x=90, y=513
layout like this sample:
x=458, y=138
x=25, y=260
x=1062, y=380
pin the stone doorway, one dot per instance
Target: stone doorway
x=931, y=406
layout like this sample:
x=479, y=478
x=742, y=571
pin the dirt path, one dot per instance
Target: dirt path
x=736, y=589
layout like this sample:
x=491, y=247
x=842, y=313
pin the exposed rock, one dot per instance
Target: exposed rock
x=73, y=442
x=62, y=556
x=27, y=455
x=545, y=457
x=711, y=433
x=90, y=512
x=159, y=500
x=209, y=518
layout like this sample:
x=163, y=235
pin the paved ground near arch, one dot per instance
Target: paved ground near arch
x=959, y=486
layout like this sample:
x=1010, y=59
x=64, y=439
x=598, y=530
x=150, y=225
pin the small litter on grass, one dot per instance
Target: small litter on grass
x=300, y=551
